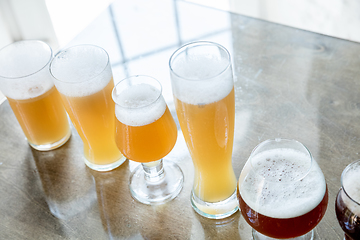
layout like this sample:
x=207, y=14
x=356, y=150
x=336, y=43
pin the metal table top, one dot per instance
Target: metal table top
x=289, y=83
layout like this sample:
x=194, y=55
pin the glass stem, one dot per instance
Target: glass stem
x=154, y=171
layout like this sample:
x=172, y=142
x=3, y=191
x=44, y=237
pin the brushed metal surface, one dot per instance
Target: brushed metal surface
x=288, y=83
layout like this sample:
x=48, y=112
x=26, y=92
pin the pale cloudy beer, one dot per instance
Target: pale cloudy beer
x=204, y=97
x=26, y=82
x=82, y=75
x=209, y=131
x=146, y=132
x=42, y=118
x=281, y=190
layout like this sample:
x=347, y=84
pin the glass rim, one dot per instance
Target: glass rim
x=282, y=139
x=199, y=43
x=113, y=93
x=36, y=71
x=342, y=180
x=76, y=46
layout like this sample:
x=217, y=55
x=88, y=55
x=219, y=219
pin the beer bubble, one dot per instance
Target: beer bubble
x=81, y=71
x=139, y=105
x=26, y=75
x=351, y=184
x=196, y=70
x=35, y=91
x=283, y=194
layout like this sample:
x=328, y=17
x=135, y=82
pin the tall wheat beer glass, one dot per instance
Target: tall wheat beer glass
x=83, y=76
x=146, y=132
x=203, y=90
x=282, y=191
x=26, y=82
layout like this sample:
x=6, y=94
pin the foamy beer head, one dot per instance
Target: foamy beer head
x=24, y=69
x=138, y=101
x=201, y=73
x=81, y=70
x=350, y=181
x=282, y=181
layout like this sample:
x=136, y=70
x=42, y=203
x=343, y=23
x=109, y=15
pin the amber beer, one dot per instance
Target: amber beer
x=93, y=115
x=282, y=194
x=26, y=82
x=144, y=136
x=284, y=228
x=42, y=118
x=204, y=97
x=82, y=74
x=347, y=204
x=146, y=132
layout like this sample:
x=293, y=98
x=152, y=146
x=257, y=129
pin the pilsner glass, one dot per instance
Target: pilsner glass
x=146, y=132
x=282, y=191
x=347, y=205
x=26, y=82
x=82, y=74
x=203, y=89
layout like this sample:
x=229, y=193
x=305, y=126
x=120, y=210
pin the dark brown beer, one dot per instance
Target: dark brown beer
x=347, y=216
x=283, y=227
x=282, y=192
x=347, y=204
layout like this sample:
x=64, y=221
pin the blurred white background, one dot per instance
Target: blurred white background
x=58, y=22
x=336, y=18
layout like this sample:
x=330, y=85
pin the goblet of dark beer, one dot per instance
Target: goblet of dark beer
x=282, y=191
x=347, y=204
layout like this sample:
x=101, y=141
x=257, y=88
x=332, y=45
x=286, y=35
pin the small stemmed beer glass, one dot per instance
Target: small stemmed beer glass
x=146, y=132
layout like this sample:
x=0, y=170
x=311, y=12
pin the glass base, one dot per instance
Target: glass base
x=105, y=167
x=259, y=236
x=159, y=190
x=217, y=210
x=347, y=237
x=51, y=146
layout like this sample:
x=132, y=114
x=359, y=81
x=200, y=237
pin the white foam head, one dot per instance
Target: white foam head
x=24, y=71
x=139, y=104
x=201, y=73
x=81, y=70
x=282, y=183
x=351, y=184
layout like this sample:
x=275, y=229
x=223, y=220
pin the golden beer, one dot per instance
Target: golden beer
x=26, y=82
x=93, y=118
x=146, y=132
x=209, y=132
x=204, y=97
x=43, y=119
x=82, y=75
x=149, y=142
